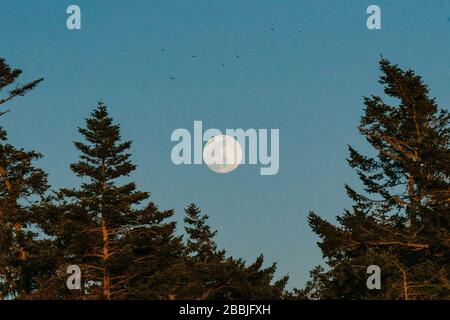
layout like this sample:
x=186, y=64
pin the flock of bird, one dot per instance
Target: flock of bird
x=223, y=64
x=237, y=56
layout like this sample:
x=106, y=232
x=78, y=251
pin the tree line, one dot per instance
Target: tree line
x=128, y=248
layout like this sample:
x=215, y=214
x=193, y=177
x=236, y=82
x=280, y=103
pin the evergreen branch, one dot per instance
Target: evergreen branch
x=89, y=266
x=412, y=245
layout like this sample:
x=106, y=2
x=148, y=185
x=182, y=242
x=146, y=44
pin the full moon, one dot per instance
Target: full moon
x=222, y=154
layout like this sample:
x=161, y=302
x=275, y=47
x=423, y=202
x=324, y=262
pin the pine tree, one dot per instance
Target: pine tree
x=201, y=237
x=102, y=227
x=402, y=220
x=213, y=275
x=157, y=270
x=21, y=187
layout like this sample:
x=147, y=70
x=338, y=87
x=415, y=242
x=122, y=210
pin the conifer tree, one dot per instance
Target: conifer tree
x=402, y=220
x=103, y=228
x=213, y=275
x=21, y=186
x=201, y=237
x=157, y=268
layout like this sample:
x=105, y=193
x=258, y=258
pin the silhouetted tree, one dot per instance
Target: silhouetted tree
x=21, y=187
x=402, y=220
x=213, y=275
x=120, y=246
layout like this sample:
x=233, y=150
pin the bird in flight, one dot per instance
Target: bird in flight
x=237, y=56
x=272, y=29
x=172, y=78
x=223, y=64
x=299, y=31
x=193, y=56
x=162, y=50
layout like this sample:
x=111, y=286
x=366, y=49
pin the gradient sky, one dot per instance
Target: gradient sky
x=309, y=85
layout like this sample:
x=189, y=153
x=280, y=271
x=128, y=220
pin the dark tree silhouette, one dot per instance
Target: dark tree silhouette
x=21, y=187
x=402, y=220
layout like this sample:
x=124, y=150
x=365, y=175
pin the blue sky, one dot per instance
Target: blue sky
x=308, y=85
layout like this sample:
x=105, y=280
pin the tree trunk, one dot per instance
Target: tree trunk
x=105, y=255
x=105, y=233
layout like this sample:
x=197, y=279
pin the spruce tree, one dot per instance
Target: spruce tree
x=21, y=187
x=201, y=238
x=213, y=275
x=102, y=226
x=401, y=222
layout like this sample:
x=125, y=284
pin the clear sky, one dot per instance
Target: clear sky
x=309, y=85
